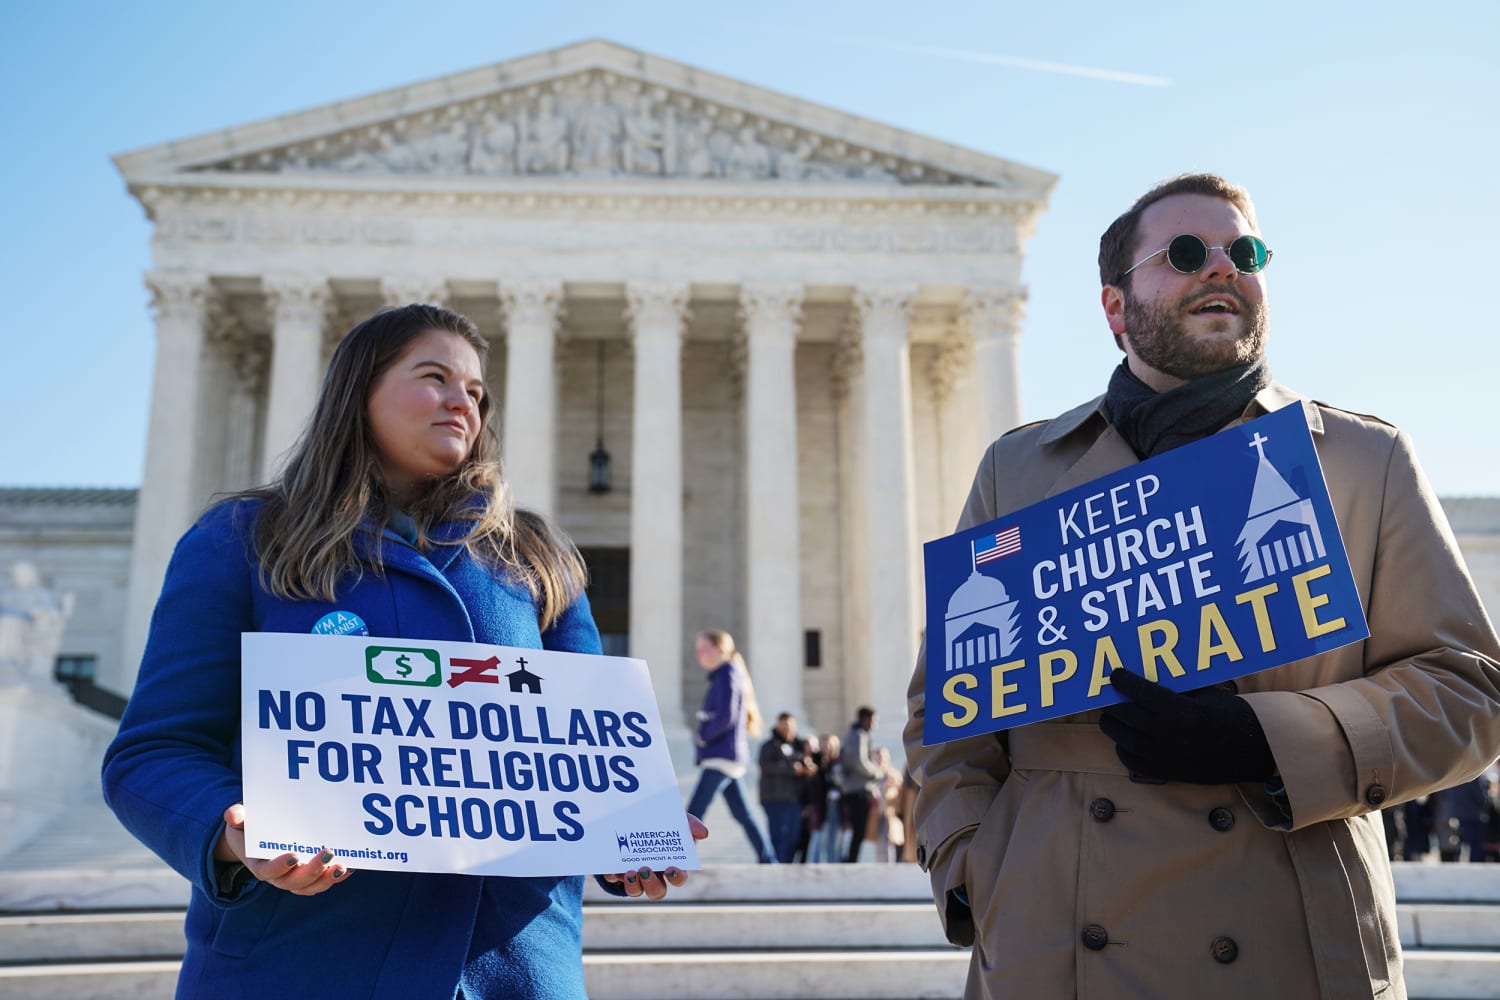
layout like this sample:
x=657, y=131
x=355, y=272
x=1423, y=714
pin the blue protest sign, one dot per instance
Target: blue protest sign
x=1215, y=560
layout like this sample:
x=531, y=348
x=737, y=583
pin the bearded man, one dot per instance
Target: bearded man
x=1213, y=843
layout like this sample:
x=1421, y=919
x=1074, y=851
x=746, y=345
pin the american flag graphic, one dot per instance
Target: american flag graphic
x=997, y=546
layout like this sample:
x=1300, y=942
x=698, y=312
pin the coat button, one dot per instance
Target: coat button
x=1375, y=794
x=1224, y=950
x=1095, y=937
x=1220, y=818
x=1102, y=810
x=922, y=854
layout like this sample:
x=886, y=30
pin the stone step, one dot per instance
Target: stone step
x=899, y=974
x=678, y=928
x=692, y=927
x=140, y=980
x=905, y=974
x=153, y=885
x=1449, y=925
x=673, y=927
x=136, y=883
x=1452, y=975
x=79, y=937
x=733, y=931
x=1446, y=883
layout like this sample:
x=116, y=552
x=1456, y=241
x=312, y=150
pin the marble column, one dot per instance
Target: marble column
x=298, y=304
x=249, y=360
x=657, y=315
x=847, y=381
x=993, y=317
x=956, y=399
x=533, y=311
x=168, y=498
x=770, y=316
x=891, y=556
x=221, y=330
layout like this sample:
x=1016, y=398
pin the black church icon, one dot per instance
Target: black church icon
x=1281, y=531
x=524, y=679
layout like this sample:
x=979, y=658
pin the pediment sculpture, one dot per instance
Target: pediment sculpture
x=592, y=125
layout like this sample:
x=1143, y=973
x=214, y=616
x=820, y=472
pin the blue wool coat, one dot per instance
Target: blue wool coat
x=721, y=723
x=174, y=767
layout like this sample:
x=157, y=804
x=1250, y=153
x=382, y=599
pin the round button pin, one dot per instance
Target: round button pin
x=340, y=623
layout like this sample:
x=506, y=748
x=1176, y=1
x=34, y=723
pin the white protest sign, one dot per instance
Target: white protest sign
x=409, y=755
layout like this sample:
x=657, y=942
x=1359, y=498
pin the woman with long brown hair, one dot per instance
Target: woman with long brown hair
x=391, y=518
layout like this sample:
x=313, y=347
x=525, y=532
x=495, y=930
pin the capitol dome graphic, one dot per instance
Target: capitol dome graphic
x=982, y=625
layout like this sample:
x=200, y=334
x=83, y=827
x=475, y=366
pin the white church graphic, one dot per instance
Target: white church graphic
x=1281, y=530
x=982, y=625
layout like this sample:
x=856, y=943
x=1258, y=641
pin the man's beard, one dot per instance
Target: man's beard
x=1157, y=336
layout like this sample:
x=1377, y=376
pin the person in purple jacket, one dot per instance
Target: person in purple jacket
x=730, y=715
x=390, y=519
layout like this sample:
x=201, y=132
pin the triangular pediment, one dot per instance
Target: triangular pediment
x=591, y=110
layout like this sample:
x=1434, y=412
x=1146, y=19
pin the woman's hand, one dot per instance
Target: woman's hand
x=306, y=879
x=653, y=885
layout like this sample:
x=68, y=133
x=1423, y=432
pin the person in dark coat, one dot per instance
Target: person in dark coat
x=784, y=770
x=391, y=519
x=1467, y=807
x=862, y=778
x=1416, y=815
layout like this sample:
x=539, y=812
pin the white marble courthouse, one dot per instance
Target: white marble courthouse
x=793, y=331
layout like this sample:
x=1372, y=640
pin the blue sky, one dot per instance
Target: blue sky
x=1367, y=135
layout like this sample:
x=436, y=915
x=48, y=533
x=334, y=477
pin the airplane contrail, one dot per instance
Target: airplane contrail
x=1092, y=72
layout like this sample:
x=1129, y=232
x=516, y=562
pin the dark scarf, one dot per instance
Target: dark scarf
x=1153, y=422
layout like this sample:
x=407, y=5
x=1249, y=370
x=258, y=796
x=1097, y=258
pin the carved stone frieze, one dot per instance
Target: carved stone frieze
x=386, y=218
x=592, y=124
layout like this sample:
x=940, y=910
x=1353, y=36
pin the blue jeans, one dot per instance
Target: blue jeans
x=710, y=783
x=785, y=822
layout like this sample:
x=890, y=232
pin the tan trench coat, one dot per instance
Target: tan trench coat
x=1083, y=883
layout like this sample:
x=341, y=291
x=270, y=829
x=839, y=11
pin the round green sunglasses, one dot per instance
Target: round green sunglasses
x=1188, y=253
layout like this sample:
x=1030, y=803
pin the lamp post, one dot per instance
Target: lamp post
x=599, y=457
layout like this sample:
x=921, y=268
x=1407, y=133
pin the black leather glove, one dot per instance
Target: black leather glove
x=1206, y=737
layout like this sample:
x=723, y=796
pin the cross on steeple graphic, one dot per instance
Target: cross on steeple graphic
x=1281, y=532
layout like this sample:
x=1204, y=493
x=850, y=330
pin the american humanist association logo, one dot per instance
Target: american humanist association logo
x=650, y=846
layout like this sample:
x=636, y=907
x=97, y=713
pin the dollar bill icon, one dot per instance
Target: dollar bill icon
x=395, y=665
